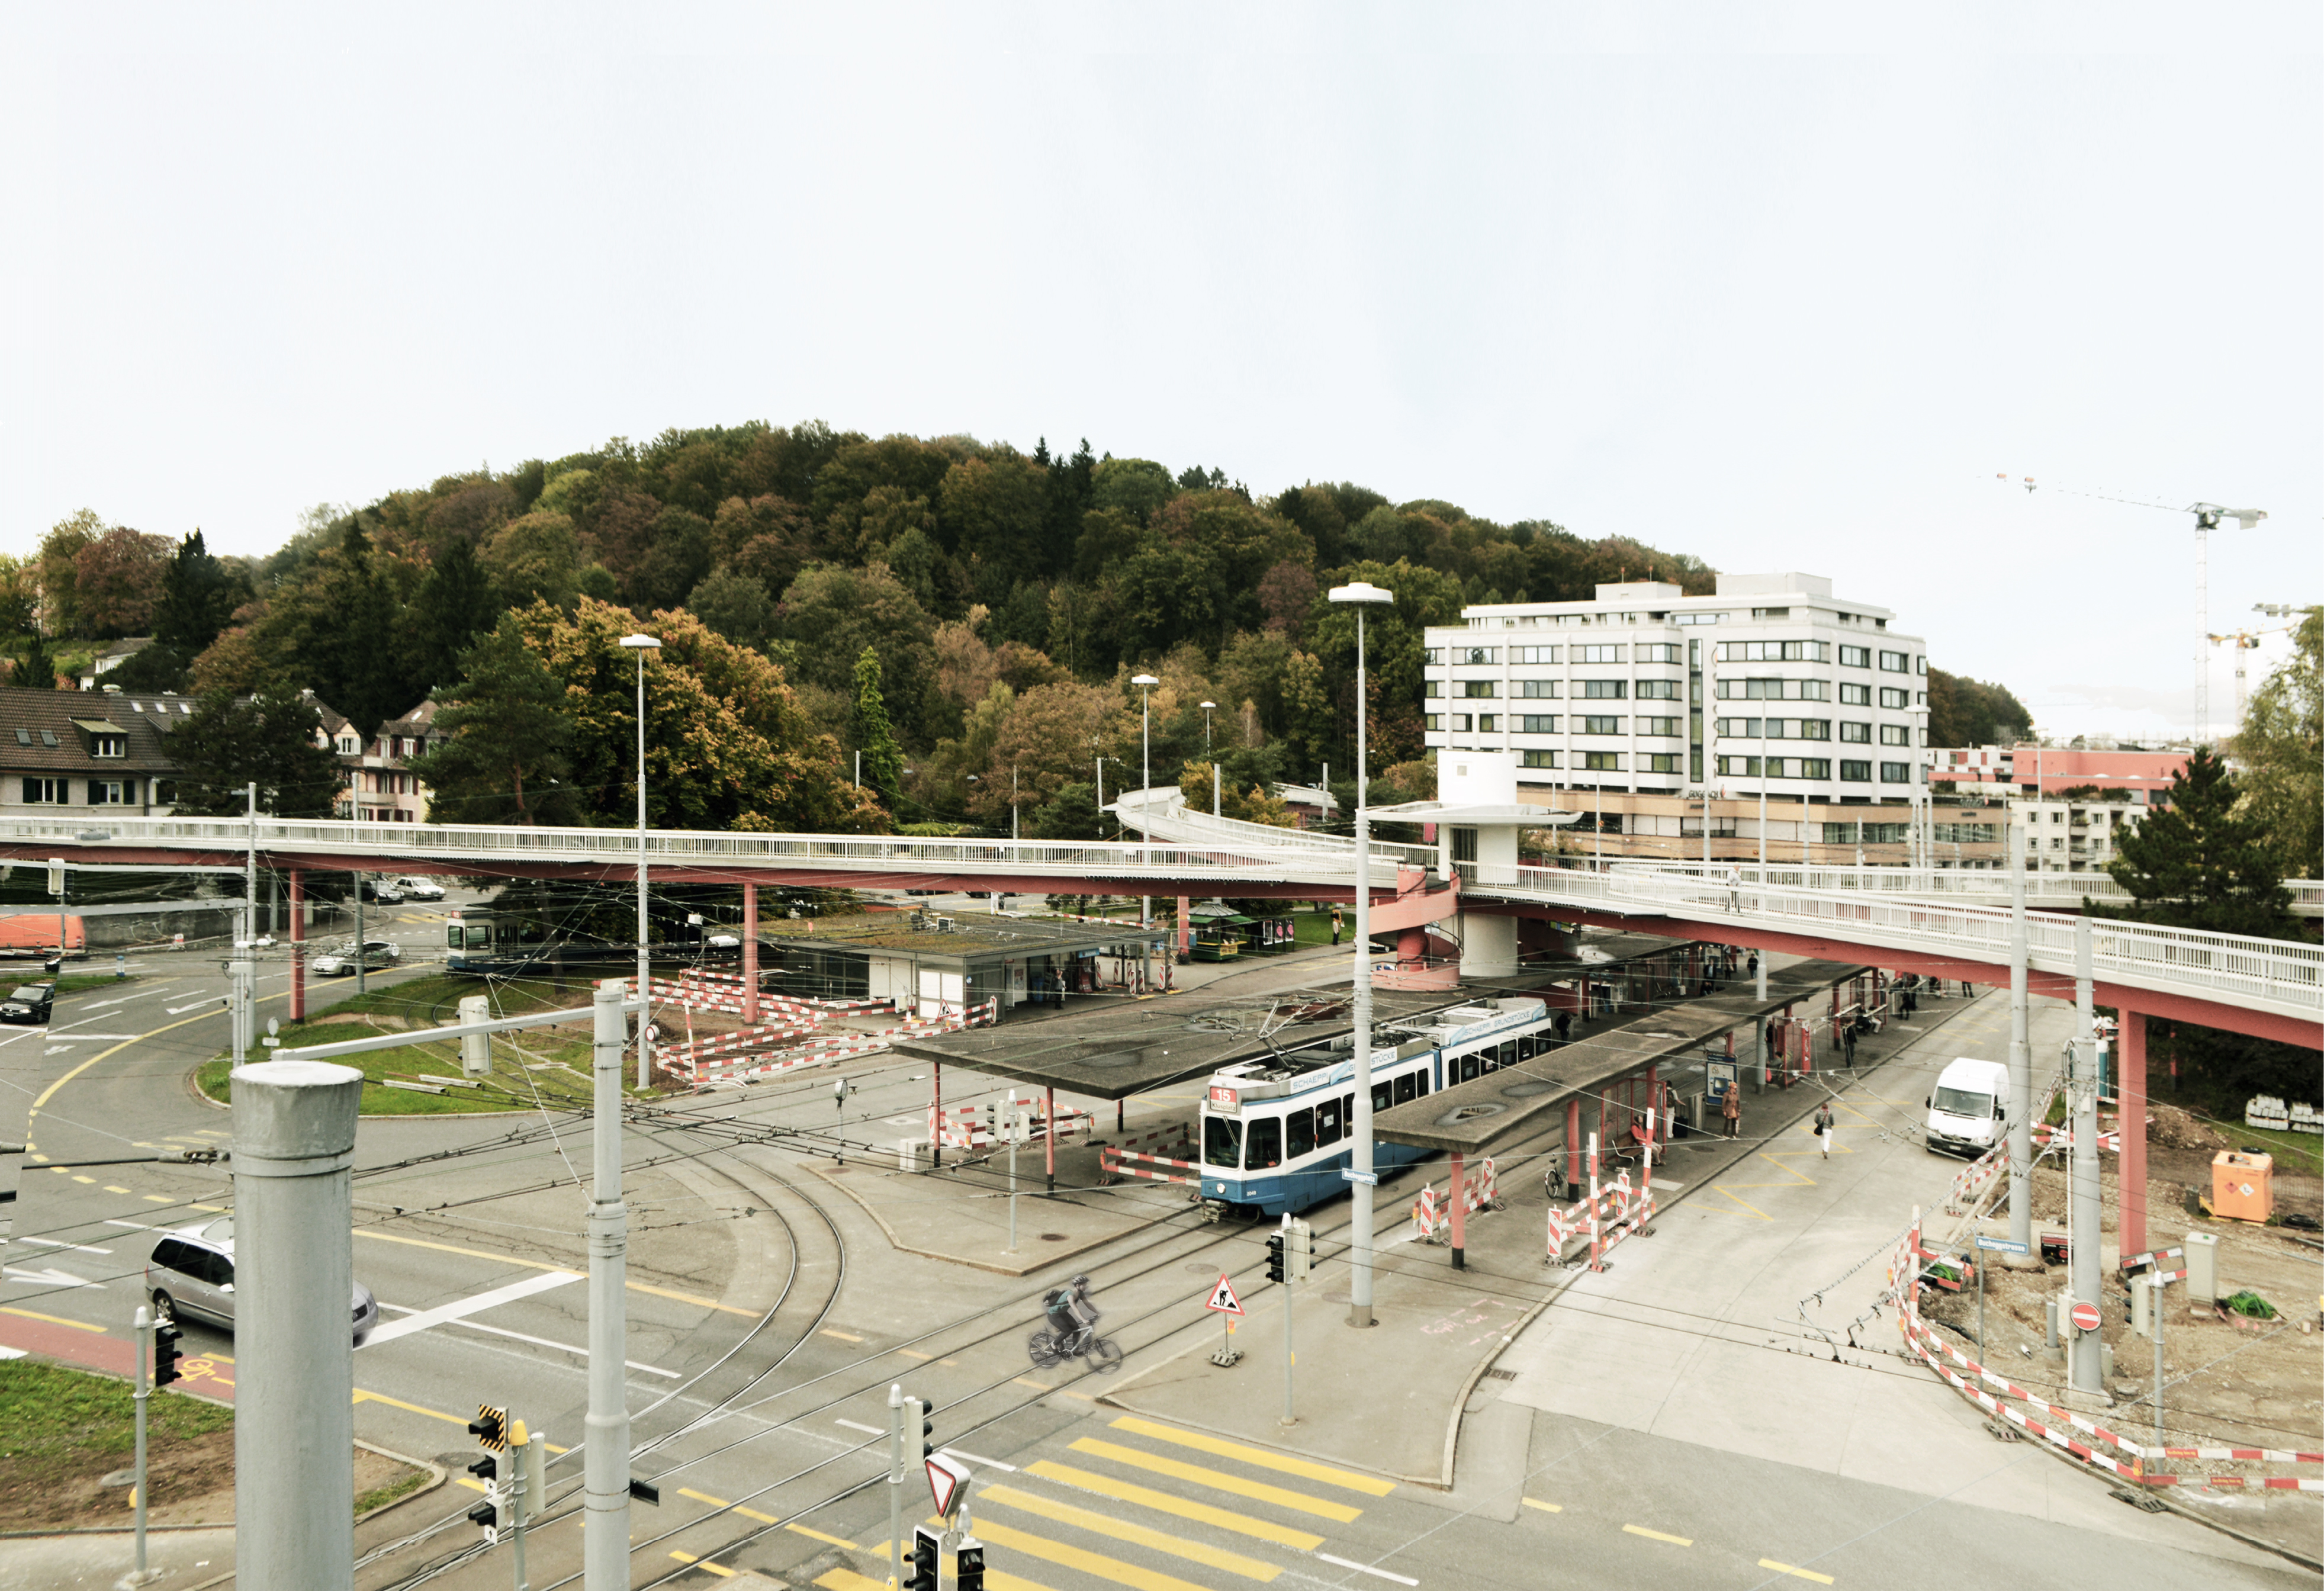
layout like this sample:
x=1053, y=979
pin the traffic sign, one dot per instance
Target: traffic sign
x=2085, y=1316
x=948, y=1483
x=1350, y=1174
x=1223, y=1298
x=2001, y=1244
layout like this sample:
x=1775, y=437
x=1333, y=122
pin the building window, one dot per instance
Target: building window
x=1538, y=759
x=1748, y=767
x=44, y=792
x=49, y=738
x=1861, y=733
x=1852, y=772
x=165, y=793
x=1658, y=691
x=1595, y=723
x=1810, y=767
x=1855, y=657
x=1478, y=689
x=1432, y=656
x=1658, y=726
x=1895, y=773
x=1896, y=662
x=1433, y=722
x=108, y=745
x=1605, y=689
x=349, y=745
x=1535, y=690
x=1461, y=724
x=1772, y=690
x=1919, y=665
x=1774, y=651
x=1658, y=652
x=1892, y=699
x=1895, y=734
x=1434, y=687
x=1476, y=654
x=1597, y=654
x=1854, y=695
x=1536, y=724
x=1701, y=618
x=1488, y=722
x=1533, y=654
x=1660, y=763
x=1601, y=762
x=106, y=792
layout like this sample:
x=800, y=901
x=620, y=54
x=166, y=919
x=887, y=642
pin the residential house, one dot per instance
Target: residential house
x=380, y=786
x=62, y=753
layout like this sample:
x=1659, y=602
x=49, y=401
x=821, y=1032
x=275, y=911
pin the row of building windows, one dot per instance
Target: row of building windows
x=1851, y=771
x=1605, y=761
x=1666, y=652
x=1812, y=729
x=101, y=792
x=1546, y=723
x=1548, y=690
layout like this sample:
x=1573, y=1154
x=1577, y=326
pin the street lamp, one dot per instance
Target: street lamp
x=1208, y=758
x=1361, y=596
x=1145, y=683
x=639, y=645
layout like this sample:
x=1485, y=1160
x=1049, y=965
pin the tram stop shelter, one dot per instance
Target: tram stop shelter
x=937, y=964
x=1621, y=1071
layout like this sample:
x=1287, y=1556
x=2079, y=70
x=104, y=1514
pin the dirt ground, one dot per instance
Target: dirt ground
x=2228, y=1382
x=192, y=1480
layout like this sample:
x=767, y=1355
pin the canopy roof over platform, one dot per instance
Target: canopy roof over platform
x=1472, y=1117
x=959, y=937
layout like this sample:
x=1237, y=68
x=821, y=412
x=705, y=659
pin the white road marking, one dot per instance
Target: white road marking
x=78, y=1248
x=852, y=1425
x=973, y=1458
x=538, y=1342
x=472, y=1305
x=58, y=1037
x=1365, y=1569
x=216, y=1000
x=51, y=1278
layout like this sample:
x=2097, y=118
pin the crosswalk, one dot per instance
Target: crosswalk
x=1124, y=1509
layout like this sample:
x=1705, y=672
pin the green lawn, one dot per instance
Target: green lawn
x=55, y=1418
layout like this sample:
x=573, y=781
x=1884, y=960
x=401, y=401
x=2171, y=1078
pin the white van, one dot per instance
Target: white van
x=1970, y=1109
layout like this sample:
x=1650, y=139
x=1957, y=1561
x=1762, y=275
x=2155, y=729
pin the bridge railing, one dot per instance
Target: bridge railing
x=1918, y=883
x=1162, y=810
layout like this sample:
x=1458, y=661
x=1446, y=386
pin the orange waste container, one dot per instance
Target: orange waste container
x=2243, y=1186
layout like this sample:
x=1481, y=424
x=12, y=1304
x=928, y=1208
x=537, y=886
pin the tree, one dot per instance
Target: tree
x=883, y=759
x=59, y=598
x=1071, y=814
x=200, y=594
x=452, y=608
x=37, y=670
x=1965, y=712
x=2280, y=745
x=735, y=605
x=230, y=742
x=149, y=668
x=19, y=593
x=2201, y=863
x=505, y=757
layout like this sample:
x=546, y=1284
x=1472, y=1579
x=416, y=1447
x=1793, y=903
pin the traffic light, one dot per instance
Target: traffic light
x=486, y=1517
x=969, y=1574
x=490, y=1428
x=166, y=1355
x=925, y=1547
x=1303, y=1250
x=1275, y=1270
x=486, y=1469
x=927, y=1431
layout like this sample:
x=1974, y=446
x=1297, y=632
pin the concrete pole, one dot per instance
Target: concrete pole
x=645, y=971
x=2130, y=1196
x=605, y=1541
x=297, y=946
x=294, y=1140
x=2021, y=1059
x=250, y=871
x=896, y=1483
x=750, y=953
x=142, y=1331
x=362, y=961
x=2083, y=1208
x=1360, y=1235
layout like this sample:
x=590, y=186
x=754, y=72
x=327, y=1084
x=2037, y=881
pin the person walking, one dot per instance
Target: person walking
x=1848, y=1040
x=1752, y=965
x=1824, y=1123
x=1335, y=928
x=1730, y=1110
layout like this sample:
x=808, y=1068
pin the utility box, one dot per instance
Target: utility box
x=2243, y=1186
x=2203, y=1268
x=2142, y=1307
x=476, y=1048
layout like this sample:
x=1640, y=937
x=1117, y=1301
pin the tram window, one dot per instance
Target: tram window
x=1327, y=1123
x=1222, y=1142
x=1468, y=1066
x=1420, y=1084
x=1266, y=1143
x=1529, y=1047
x=452, y=936
x=1404, y=1090
x=1383, y=1095
x=1299, y=1133
x=1508, y=1052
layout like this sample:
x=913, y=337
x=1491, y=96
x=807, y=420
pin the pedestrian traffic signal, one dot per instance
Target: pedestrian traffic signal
x=166, y=1355
x=486, y=1469
x=490, y=1428
x=927, y=1431
x=968, y=1571
x=925, y=1546
x=486, y=1516
x=1276, y=1267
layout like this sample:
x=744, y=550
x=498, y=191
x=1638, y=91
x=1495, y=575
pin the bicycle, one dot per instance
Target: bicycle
x=1048, y=1349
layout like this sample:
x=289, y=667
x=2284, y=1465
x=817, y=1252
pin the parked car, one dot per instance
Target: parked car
x=192, y=1277
x=382, y=890
x=341, y=962
x=419, y=889
x=721, y=942
x=29, y=1004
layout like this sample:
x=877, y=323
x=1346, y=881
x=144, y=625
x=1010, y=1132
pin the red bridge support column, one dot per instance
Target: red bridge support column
x=2130, y=1190
x=297, y=946
x=1460, y=1231
x=750, y=954
x=1573, y=1142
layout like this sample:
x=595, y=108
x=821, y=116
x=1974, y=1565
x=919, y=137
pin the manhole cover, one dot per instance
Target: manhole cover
x=1469, y=1113
x=1053, y=1238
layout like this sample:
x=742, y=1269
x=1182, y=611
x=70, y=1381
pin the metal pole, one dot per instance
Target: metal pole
x=250, y=871
x=896, y=1483
x=517, y=1451
x=360, y=957
x=1763, y=808
x=606, y=1540
x=2084, y=1209
x=1214, y=790
x=2021, y=1059
x=1360, y=1236
x=645, y=974
x=294, y=1138
x=1288, y=1417
x=1980, y=1307
x=1146, y=788
x=2154, y=1318
x=143, y=1327
x=1016, y=1131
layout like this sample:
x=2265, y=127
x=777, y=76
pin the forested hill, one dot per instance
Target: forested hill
x=972, y=571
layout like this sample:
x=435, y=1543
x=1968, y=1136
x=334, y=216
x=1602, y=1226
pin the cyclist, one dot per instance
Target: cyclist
x=1071, y=1313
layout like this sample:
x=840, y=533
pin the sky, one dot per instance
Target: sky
x=1783, y=286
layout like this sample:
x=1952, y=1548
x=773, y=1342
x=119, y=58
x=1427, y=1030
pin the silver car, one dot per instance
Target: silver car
x=419, y=889
x=341, y=962
x=190, y=1277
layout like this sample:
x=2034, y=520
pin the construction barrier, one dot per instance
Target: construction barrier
x=1432, y=1214
x=1609, y=1214
x=1112, y=1164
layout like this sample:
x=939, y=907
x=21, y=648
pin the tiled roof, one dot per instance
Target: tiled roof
x=38, y=730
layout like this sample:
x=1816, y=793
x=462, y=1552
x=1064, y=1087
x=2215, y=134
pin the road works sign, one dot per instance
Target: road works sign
x=1223, y=1298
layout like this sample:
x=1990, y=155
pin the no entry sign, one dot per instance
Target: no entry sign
x=2085, y=1316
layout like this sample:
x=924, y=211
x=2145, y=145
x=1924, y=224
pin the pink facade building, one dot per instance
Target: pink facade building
x=2045, y=770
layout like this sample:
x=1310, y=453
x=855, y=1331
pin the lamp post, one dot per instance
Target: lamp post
x=1361, y=596
x=1207, y=706
x=639, y=645
x=1146, y=684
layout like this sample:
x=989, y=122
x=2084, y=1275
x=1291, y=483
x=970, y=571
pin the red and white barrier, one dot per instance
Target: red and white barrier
x=1432, y=1212
x=1609, y=1214
x=1114, y=1162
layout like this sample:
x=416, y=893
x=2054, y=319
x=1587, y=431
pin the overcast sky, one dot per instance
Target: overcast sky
x=1785, y=287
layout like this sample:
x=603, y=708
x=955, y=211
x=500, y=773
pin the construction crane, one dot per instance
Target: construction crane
x=2209, y=516
x=2244, y=641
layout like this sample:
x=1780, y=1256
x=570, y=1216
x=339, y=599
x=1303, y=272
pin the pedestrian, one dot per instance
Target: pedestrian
x=1731, y=1109
x=1735, y=889
x=1752, y=965
x=1848, y=1040
x=1335, y=927
x=1823, y=1120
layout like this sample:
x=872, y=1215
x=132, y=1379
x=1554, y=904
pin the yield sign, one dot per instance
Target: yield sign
x=948, y=1483
x=1223, y=1298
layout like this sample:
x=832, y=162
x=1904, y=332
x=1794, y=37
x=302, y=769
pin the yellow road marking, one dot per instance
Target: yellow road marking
x=846, y=1336
x=477, y=1253
x=907, y=1353
x=764, y=1519
x=1259, y=1491
x=364, y=1397
x=1658, y=1536
x=819, y=1536
x=52, y=1319
x=848, y=1580
x=1258, y=1456
x=1026, y=1381
x=1185, y=1508
x=1544, y=1507
x=80, y=1178
x=713, y=1568
x=110, y=1187
x=50, y=1092
x=1089, y=1563
x=1769, y=1563
x=158, y=1199
x=1136, y=1535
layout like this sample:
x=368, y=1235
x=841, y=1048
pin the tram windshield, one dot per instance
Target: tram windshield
x=1266, y=1149
x=1222, y=1142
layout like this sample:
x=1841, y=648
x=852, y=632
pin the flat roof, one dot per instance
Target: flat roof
x=1471, y=1117
x=969, y=936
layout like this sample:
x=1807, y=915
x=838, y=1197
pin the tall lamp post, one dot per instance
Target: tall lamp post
x=1362, y=596
x=1207, y=706
x=1146, y=684
x=639, y=645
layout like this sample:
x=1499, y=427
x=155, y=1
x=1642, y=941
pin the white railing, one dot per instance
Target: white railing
x=1911, y=882
x=1162, y=810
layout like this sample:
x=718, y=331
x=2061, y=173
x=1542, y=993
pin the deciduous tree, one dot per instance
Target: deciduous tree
x=2280, y=745
x=229, y=742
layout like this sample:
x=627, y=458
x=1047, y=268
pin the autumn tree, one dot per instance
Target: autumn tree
x=875, y=737
x=506, y=753
x=59, y=571
x=2280, y=745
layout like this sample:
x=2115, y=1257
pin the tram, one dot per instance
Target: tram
x=505, y=944
x=1276, y=1133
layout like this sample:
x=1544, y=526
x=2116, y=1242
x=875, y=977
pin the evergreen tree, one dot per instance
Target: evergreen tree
x=199, y=597
x=2200, y=864
x=508, y=742
x=230, y=742
x=883, y=759
x=453, y=605
x=38, y=672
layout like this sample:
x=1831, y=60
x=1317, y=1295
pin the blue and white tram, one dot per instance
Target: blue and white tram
x=1277, y=1133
